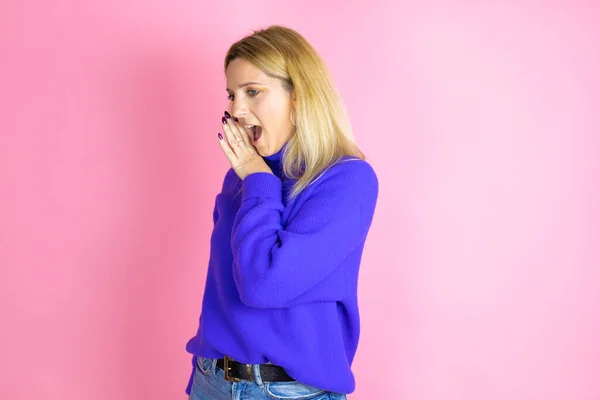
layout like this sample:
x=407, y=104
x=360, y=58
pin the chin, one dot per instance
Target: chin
x=265, y=153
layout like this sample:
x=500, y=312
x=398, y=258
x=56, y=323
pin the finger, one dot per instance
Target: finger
x=244, y=135
x=239, y=133
x=247, y=135
x=233, y=141
x=227, y=150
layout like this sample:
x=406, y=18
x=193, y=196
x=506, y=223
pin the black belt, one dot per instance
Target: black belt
x=235, y=371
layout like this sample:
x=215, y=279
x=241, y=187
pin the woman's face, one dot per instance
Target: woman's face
x=261, y=101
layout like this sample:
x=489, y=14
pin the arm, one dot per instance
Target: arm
x=215, y=216
x=275, y=265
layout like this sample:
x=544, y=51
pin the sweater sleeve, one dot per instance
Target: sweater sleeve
x=188, y=388
x=275, y=265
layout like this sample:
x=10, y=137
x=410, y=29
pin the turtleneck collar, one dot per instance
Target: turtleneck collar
x=275, y=161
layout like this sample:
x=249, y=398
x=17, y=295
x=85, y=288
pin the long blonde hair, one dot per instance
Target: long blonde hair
x=323, y=134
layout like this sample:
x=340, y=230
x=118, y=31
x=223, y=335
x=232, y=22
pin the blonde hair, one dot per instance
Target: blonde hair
x=322, y=134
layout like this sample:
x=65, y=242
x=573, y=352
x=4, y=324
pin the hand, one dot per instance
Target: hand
x=238, y=149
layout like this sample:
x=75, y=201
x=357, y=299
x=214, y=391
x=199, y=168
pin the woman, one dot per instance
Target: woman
x=279, y=316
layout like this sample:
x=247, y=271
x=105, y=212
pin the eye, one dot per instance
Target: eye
x=250, y=93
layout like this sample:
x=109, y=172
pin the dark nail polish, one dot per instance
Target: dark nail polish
x=224, y=120
x=235, y=119
x=220, y=136
x=227, y=115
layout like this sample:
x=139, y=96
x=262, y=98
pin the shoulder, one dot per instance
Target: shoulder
x=347, y=175
x=349, y=169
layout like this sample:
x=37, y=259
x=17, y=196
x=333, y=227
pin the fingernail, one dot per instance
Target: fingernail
x=227, y=114
x=220, y=136
x=235, y=119
x=224, y=120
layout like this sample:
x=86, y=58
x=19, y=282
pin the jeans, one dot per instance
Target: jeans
x=209, y=384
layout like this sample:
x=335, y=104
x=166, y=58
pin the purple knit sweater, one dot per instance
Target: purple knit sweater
x=282, y=275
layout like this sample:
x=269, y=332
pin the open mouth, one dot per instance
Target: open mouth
x=256, y=131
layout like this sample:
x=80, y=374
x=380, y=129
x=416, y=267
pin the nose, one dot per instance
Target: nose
x=239, y=109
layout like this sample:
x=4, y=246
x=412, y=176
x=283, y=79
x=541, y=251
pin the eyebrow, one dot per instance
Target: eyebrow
x=246, y=84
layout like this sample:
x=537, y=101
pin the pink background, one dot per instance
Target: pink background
x=481, y=274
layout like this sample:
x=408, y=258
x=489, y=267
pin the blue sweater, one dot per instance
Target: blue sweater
x=282, y=277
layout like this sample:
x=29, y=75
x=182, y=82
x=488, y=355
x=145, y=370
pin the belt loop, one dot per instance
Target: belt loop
x=213, y=367
x=257, y=376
